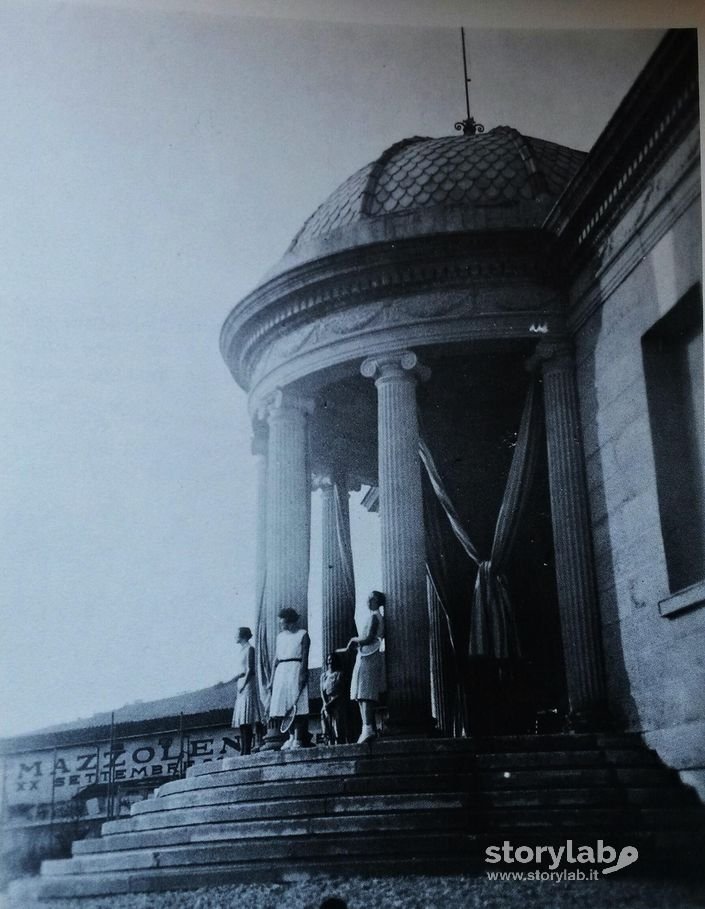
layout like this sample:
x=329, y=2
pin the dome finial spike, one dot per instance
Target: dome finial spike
x=469, y=125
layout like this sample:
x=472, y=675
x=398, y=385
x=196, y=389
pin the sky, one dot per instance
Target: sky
x=156, y=163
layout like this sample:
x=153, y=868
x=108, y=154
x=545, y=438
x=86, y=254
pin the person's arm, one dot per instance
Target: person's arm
x=371, y=636
x=250, y=674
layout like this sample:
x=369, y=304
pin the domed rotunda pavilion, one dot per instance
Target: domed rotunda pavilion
x=502, y=338
x=416, y=310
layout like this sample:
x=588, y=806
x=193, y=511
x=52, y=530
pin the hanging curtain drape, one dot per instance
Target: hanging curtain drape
x=493, y=629
x=447, y=636
x=443, y=497
x=263, y=661
x=342, y=532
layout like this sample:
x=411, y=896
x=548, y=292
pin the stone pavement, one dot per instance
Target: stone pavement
x=414, y=892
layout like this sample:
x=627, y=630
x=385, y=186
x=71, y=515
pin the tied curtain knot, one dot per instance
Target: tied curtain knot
x=493, y=629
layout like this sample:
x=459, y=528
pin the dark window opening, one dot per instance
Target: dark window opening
x=673, y=367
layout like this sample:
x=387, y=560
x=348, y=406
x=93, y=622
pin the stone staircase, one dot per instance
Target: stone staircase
x=390, y=806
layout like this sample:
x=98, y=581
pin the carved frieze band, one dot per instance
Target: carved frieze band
x=334, y=287
x=438, y=308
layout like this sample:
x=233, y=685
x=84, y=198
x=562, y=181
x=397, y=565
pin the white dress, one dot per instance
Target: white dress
x=285, y=687
x=247, y=710
x=368, y=678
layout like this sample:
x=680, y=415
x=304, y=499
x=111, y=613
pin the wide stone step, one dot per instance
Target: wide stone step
x=602, y=796
x=436, y=818
x=551, y=780
x=530, y=759
x=600, y=792
x=416, y=747
x=654, y=847
x=605, y=819
x=376, y=747
x=323, y=839
x=548, y=781
x=570, y=777
x=475, y=745
x=381, y=748
x=501, y=814
x=373, y=815
x=265, y=849
x=171, y=879
x=348, y=760
x=316, y=769
x=391, y=804
x=284, y=808
x=304, y=788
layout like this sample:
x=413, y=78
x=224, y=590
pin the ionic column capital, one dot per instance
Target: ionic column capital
x=260, y=438
x=283, y=403
x=398, y=364
x=322, y=481
x=329, y=477
x=553, y=355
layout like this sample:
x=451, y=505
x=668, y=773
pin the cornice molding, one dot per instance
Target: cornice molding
x=651, y=221
x=344, y=281
x=657, y=113
x=342, y=341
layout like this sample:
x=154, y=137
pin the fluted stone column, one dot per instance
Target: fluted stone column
x=259, y=450
x=288, y=517
x=288, y=520
x=403, y=545
x=580, y=624
x=338, y=593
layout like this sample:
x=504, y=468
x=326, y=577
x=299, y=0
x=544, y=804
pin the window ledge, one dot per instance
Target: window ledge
x=690, y=598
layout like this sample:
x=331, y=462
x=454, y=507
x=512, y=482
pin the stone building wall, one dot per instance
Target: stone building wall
x=647, y=261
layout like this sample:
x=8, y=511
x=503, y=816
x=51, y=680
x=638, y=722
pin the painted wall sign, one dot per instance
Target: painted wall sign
x=34, y=781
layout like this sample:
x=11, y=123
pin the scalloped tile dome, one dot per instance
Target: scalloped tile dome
x=501, y=168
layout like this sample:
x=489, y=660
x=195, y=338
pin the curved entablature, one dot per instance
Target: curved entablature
x=496, y=284
x=337, y=344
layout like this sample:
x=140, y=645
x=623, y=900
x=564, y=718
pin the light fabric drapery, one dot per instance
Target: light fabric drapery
x=263, y=661
x=447, y=636
x=443, y=497
x=342, y=533
x=493, y=631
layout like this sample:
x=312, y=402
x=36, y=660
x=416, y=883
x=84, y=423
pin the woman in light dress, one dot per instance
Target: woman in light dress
x=290, y=676
x=247, y=710
x=368, y=680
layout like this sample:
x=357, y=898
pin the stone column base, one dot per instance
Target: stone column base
x=274, y=738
